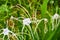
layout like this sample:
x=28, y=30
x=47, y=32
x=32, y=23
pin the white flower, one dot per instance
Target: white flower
x=56, y=16
x=46, y=20
x=26, y=21
x=12, y=17
x=51, y=2
x=6, y=31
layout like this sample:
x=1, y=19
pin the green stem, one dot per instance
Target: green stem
x=52, y=34
x=23, y=30
x=31, y=32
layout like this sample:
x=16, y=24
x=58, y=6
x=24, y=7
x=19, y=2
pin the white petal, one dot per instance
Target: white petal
x=56, y=16
x=46, y=20
x=5, y=31
x=26, y=21
x=12, y=17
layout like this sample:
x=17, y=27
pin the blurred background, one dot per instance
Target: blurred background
x=35, y=10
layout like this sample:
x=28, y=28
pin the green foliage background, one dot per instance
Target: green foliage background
x=28, y=9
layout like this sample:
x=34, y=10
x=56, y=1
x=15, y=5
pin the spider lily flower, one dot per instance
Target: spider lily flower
x=26, y=21
x=56, y=16
x=6, y=31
